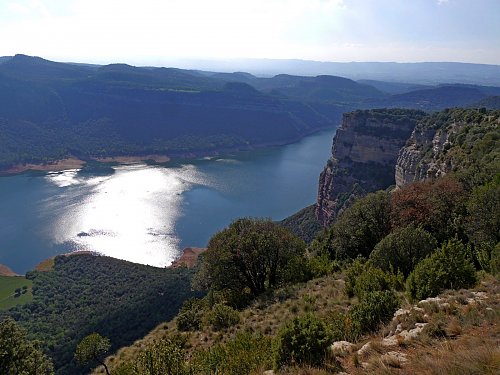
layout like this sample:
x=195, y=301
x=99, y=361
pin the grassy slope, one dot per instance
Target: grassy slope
x=462, y=337
x=8, y=285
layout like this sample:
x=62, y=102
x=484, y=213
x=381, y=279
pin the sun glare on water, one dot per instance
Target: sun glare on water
x=130, y=214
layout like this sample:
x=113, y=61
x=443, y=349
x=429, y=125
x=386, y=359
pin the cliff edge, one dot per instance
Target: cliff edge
x=364, y=153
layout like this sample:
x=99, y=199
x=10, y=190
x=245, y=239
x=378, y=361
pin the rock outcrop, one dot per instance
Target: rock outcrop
x=418, y=159
x=442, y=143
x=364, y=153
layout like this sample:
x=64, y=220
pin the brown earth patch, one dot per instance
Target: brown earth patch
x=189, y=257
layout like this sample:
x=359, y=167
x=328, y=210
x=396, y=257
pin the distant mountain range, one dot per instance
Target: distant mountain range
x=50, y=110
x=427, y=73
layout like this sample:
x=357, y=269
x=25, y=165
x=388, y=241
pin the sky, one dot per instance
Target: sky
x=153, y=32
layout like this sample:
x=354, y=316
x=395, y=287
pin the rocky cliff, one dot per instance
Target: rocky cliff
x=364, y=153
x=444, y=142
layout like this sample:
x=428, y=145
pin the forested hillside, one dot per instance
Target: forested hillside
x=54, y=110
x=85, y=293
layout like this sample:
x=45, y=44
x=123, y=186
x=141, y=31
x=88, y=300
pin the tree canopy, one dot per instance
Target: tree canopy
x=19, y=355
x=92, y=348
x=250, y=253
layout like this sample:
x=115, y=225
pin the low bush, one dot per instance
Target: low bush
x=303, y=340
x=190, y=316
x=447, y=268
x=376, y=308
x=241, y=355
x=362, y=278
x=222, y=316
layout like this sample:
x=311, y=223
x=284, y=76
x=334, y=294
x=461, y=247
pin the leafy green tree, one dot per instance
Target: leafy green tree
x=402, y=249
x=359, y=228
x=93, y=348
x=18, y=355
x=250, y=253
x=447, y=268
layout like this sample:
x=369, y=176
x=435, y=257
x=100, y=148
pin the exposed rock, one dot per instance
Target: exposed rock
x=342, y=347
x=269, y=372
x=425, y=155
x=365, y=349
x=404, y=335
x=391, y=340
x=365, y=149
x=394, y=359
x=431, y=300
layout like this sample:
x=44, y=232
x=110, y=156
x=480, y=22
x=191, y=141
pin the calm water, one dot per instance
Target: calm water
x=147, y=214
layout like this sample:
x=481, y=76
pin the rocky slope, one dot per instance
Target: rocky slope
x=365, y=150
x=443, y=143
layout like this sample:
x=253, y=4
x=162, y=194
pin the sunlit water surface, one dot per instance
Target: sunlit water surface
x=147, y=214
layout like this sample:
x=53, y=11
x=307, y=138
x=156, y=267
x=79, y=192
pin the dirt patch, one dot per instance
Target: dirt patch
x=189, y=257
x=60, y=165
x=6, y=271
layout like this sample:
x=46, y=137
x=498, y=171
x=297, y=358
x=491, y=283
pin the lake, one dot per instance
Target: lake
x=149, y=213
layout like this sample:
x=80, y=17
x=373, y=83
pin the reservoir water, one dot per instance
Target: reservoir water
x=147, y=214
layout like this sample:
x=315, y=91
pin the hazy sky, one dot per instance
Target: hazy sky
x=155, y=31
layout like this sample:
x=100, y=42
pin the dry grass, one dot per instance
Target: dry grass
x=462, y=337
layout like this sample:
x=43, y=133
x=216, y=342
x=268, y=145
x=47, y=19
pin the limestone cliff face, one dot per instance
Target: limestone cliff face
x=364, y=153
x=438, y=144
x=419, y=158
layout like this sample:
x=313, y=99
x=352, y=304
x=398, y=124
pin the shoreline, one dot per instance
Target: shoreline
x=73, y=162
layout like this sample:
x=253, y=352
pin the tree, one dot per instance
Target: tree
x=18, y=355
x=434, y=205
x=93, y=348
x=359, y=228
x=403, y=249
x=250, y=253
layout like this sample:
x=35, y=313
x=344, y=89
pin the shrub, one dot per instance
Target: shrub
x=223, y=316
x=362, y=277
x=190, y=316
x=166, y=356
x=303, y=340
x=322, y=265
x=403, y=249
x=241, y=355
x=376, y=308
x=447, y=268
